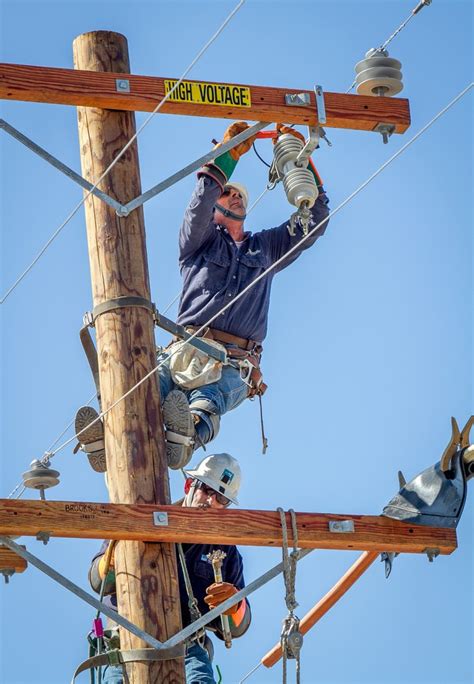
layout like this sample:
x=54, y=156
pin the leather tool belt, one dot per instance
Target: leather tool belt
x=247, y=353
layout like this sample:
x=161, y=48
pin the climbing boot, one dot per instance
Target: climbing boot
x=91, y=441
x=179, y=433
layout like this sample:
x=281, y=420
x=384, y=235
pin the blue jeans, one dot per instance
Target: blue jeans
x=217, y=398
x=197, y=666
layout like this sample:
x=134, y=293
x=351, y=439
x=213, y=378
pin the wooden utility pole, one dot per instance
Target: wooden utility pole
x=146, y=573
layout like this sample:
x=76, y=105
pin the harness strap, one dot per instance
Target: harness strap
x=178, y=439
x=121, y=303
x=118, y=657
x=227, y=338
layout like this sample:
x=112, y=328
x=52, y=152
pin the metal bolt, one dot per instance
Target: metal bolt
x=122, y=85
x=122, y=211
x=7, y=574
x=43, y=537
x=160, y=518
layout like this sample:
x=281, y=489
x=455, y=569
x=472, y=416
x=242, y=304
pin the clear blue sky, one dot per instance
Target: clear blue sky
x=369, y=351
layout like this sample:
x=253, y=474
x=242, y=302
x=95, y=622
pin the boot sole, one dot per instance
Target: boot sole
x=177, y=418
x=84, y=416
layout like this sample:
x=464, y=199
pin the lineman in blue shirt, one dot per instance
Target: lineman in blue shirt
x=214, y=483
x=218, y=259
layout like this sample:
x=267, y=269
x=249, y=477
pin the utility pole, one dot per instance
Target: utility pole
x=146, y=573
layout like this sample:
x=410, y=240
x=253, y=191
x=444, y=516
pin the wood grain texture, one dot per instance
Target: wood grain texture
x=244, y=527
x=147, y=585
x=356, y=570
x=91, y=89
x=9, y=560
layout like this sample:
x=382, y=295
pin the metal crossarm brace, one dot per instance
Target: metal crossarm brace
x=77, y=178
x=125, y=209
x=109, y=612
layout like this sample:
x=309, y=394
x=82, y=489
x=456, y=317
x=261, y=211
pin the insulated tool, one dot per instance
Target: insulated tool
x=216, y=558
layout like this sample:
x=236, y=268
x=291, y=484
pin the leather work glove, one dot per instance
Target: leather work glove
x=219, y=592
x=233, y=130
x=282, y=129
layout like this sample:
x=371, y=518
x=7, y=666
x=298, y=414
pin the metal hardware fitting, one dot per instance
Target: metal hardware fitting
x=122, y=85
x=341, y=526
x=321, y=109
x=297, y=99
x=310, y=145
x=431, y=554
x=385, y=130
x=160, y=519
x=43, y=537
x=7, y=573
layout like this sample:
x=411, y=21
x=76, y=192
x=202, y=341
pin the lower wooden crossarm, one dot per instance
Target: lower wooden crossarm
x=145, y=522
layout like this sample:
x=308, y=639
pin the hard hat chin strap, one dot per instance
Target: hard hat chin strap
x=228, y=213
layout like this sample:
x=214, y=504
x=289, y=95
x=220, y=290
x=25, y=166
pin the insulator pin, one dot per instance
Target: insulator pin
x=378, y=74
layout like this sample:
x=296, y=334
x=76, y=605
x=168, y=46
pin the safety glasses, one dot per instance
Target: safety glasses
x=227, y=190
x=220, y=498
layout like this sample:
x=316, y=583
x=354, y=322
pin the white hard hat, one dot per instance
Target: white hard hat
x=220, y=472
x=240, y=188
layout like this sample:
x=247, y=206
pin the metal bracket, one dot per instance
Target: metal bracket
x=385, y=130
x=160, y=519
x=122, y=85
x=310, y=145
x=341, y=526
x=297, y=99
x=321, y=109
x=43, y=537
x=431, y=554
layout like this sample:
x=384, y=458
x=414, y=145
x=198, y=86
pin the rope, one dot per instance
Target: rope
x=279, y=261
x=124, y=149
x=291, y=638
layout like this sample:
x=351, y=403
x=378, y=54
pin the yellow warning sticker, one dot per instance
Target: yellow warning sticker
x=208, y=93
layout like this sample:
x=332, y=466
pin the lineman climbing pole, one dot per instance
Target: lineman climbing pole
x=146, y=574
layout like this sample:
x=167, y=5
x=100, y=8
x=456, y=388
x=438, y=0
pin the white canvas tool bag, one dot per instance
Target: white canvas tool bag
x=191, y=368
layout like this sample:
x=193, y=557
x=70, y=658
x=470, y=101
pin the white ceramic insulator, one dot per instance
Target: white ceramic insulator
x=299, y=183
x=377, y=71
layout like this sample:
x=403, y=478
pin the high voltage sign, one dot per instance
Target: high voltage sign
x=208, y=93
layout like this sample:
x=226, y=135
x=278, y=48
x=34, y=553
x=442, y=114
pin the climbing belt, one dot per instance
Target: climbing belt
x=291, y=638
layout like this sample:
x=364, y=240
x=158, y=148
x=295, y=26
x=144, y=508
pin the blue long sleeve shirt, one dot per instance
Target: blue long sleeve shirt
x=215, y=269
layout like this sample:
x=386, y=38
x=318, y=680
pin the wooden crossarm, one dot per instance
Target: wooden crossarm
x=191, y=525
x=9, y=560
x=99, y=89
